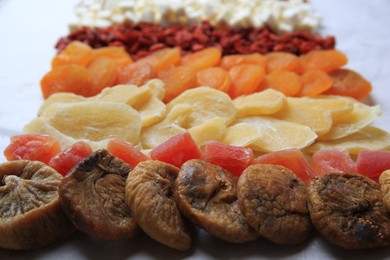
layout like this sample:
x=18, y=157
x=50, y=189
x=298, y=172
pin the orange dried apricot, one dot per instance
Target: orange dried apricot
x=314, y=82
x=214, y=77
x=349, y=83
x=325, y=60
x=245, y=79
x=177, y=80
x=103, y=72
x=283, y=61
x=205, y=58
x=284, y=81
x=67, y=78
x=118, y=54
x=137, y=73
x=163, y=59
x=229, y=61
x=75, y=53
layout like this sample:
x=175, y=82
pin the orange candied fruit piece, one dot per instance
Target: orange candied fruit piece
x=205, y=58
x=74, y=53
x=163, y=59
x=325, y=60
x=245, y=79
x=177, y=80
x=68, y=78
x=284, y=81
x=229, y=61
x=103, y=72
x=349, y=83
x=118, y=54
x=137, y=73
x=283, y=61
x=315, y=82
x=214, y=77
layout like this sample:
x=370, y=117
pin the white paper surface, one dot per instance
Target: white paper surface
x=30, y=28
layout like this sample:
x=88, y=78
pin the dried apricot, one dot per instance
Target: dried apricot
x=214, y=77
x=162, y=59
x=349, y=83
x=229, y=61
x=283, y=61
x=177, y=80
x=137, y=73
x=205, y=58
x=103, y=73
x=325, y=60
x=75, y=53
x=284, y=81
x=119, y=54
x=315, y=82
x=68, y=78
x=245, y=79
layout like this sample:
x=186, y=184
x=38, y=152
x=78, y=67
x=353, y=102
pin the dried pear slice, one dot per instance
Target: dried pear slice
x=31, y=213
x=265, y=102
x=95, y=121
x=317, y=113
x=207, y=103
x=241, y=134
x=369, y=138
x=277, y=134
x=360, y=117
x=93, y=197
x=149, y=194
x=214, y=129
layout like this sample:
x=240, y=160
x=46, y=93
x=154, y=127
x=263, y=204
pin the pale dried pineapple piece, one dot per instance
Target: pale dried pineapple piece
x=360, y=117
x=151, y=112
x=155, y=135
x=157, y=86
x=241, y=134
x=317, y=113
x=266, y=102
x=214, y=129
x=61, y=97
x=126, y=94
x=206, y=103
x=95, y=121
x=278, y=134
x=369, y=138
x=180, y=115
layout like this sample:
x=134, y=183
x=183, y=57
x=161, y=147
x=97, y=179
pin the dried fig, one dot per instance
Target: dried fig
x=149, y=193
x=30, y=212
x=93, y=196
x=384, y=181
x=347, y=210
x=274, y=202
x=207, y=195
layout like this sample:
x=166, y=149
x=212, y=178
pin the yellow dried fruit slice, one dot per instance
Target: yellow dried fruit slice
x=95, y=121
x=317, y=113
x=155, y=135
x=360, y=117
x=151, y=112
x=180, y=115
x=369, y=138
x=279, y=134
x=265, y=102
x=206, y=103
x=241, y=134
x=214, y=129
x=62, y=97
x=126, y=94
x=157, y=87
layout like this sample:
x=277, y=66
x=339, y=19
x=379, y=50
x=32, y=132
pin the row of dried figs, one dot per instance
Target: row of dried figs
x=107, y=199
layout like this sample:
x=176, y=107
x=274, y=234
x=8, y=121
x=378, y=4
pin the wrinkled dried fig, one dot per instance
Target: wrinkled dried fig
x=347, y=210
x=30, y=212
x=149, y=193
x=207, y=195
x=384, y=181
x=93, y=196
x=274, y=202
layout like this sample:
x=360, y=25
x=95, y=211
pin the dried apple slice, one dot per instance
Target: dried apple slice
x=206, y=103
x=265, y=102
x=31, y=214
x=277, y=134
